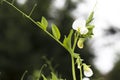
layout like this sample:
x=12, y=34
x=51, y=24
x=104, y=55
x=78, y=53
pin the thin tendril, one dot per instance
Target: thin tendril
x=32, y=9
x=13, y=1
x=23, y=75
x=75, y=41
x=44, y=65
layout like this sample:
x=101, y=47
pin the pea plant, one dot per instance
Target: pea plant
x=81, y=30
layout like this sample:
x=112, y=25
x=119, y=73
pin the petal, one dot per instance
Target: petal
x=78, y=67
x=85, y=78
x=78, y=23
x=83, y=30
x=88, y=73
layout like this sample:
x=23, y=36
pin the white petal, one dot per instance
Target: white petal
x=88, y=73
x=85, y=78
x=78, y=23
x=78, y=66
x=83, y=30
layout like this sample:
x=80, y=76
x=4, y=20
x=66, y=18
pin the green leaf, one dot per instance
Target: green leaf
x=44, y=78
x=55, y=31
x=67, y=40
x=44, y=23
x=54, y=77
x=90, y=18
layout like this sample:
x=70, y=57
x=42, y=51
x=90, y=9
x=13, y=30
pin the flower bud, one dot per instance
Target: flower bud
x=80, y=42
x=87, y=70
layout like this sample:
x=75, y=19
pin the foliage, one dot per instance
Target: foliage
x=69, y=42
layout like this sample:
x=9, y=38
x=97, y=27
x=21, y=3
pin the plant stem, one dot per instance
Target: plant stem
x=72, y=57
x=32, y=9
x=73, y=68
x=34, y=22
x=75, y=40
x=23, y=75
x=80, y=72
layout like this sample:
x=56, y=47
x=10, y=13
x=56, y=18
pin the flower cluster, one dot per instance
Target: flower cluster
x=86, y=68
x=85, y=30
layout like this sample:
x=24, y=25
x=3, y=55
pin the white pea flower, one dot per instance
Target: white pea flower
x=87, y=70
x=80, y=25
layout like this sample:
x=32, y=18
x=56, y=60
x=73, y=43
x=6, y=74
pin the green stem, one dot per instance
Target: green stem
x=80, y=72
x=44, y=65
x=72, y=57
x=23, y=75
x=32, y=9
x=34, y=23
x=75, y=40
x=73, y=68
x=13, y=1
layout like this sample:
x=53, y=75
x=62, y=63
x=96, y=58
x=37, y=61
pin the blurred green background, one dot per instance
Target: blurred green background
x=23, y=44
